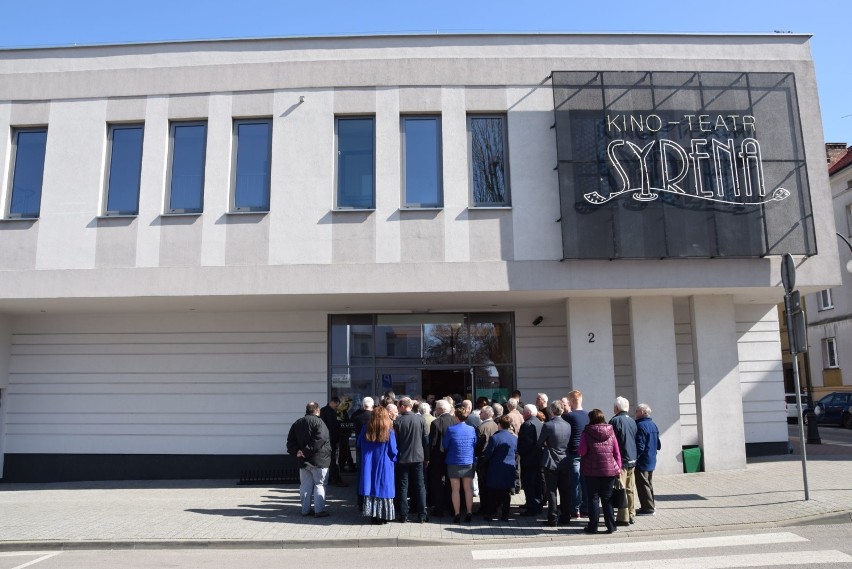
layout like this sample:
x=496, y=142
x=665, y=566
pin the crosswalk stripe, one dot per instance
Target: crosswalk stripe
x=640, y=546
x=725, y=562
x=39, y=560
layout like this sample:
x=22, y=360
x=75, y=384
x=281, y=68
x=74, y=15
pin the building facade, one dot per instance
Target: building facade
x=199, y=238
x=830, y=310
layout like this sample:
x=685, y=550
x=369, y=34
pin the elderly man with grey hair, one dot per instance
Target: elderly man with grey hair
x=484, y=431
x=360, y=418
x=472, y=418
x=515, y=414
x=529, y=452
x=426, y=412
x=625, y=433
x=439, y=495
x=647, y=445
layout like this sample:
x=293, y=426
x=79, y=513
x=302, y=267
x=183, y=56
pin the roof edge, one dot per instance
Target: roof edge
x=412, y=34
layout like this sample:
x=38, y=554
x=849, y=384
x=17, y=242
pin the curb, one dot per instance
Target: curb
x=833, y=518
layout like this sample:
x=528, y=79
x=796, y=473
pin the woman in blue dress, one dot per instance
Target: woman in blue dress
x=459, y=441
x=377, y=443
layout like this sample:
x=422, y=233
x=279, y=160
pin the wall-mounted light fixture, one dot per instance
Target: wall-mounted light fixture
x=538, y=320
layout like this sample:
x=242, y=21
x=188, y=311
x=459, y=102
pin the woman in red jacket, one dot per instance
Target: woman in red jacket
x=601, y=465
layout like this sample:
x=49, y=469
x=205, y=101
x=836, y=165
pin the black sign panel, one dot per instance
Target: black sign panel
x=681, y=164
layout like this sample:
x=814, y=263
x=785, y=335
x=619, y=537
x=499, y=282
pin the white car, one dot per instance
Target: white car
x=790, y=399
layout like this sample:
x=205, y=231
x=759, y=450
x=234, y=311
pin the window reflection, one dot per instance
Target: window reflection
x=416, y=354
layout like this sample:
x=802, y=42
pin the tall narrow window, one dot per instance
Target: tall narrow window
x=186, y=176
x=421, y=150
x=489, y=161
x=125, y=169
x=28, y=172
x=355, y=163
x=253, y=157
x=830, y=353
x=849, y=219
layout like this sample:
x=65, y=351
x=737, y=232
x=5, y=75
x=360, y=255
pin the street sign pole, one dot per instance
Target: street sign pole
x=788, y=278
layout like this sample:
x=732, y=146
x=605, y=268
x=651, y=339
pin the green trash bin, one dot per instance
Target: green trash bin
x=692, y=459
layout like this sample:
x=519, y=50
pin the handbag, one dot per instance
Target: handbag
x=619, y=495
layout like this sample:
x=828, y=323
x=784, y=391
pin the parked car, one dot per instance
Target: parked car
x=792, y=414
x=834, y=408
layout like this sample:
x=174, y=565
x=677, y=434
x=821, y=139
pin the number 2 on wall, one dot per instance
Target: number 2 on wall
x=591, y=337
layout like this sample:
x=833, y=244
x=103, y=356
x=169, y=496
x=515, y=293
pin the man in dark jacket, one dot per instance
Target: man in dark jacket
x=529, y=451
x=328, y=414
x=309, y=442
x=412, y=443
x=647, y=445
x=484, y=432
x=625, y=433
x=438, y=492
x=553, y=441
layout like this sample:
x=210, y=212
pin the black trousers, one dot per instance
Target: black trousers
x=334, y=468
x=532, y=481
x=439, y=495
x=409, y=482
x=344, y=458
x=600, y=489
x=558, y=482
x=501, y=498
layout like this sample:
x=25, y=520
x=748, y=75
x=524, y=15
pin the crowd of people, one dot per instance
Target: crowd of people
x=414, y=463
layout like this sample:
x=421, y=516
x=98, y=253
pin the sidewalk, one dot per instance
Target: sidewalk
x=218, y=513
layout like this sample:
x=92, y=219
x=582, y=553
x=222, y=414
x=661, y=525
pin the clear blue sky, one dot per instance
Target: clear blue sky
x=64, y=22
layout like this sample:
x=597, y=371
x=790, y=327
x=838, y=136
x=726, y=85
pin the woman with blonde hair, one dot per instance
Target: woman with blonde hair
x=378, y=454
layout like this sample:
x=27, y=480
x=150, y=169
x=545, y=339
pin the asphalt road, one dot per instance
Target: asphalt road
x=807, y=546
x=830, y=434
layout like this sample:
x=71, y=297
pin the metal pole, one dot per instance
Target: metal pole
x=790, y=338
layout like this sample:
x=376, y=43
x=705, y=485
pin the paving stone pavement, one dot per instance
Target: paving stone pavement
x=219, y=513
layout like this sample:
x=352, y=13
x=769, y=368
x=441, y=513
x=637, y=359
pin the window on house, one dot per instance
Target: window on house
x=825, y=299
x=186, y=167
x=849, y=220
x=28, y=148
x=489, y=161
x=421, y=160
x=125, y=169
x=829, y=350
x=252, y=157
x=355, y=162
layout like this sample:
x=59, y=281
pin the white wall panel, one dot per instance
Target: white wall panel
x=542, y=353
x=72, y=189
x=204, y=384
x=686, y=372
x=761, y=374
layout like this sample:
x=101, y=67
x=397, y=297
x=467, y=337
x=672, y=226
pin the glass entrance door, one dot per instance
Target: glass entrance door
x=469, y=354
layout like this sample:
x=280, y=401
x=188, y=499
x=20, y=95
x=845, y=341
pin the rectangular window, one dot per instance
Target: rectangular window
x=849, y=219
x=186, y=167
x=421, y=161
x=825, y=299
x=125, y=169
x=28, y=148
x=355, y=162
x=252, y=157
x=829, y=349
x=489, y=161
